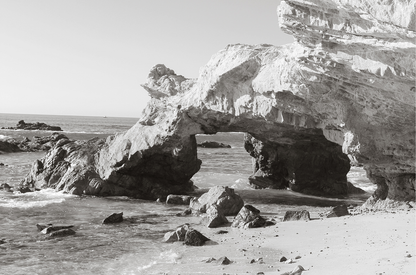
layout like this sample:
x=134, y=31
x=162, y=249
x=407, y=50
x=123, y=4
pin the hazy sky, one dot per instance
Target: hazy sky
x=89, y=57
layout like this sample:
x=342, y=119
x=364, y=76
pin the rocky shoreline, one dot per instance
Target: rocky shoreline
x=44, y=143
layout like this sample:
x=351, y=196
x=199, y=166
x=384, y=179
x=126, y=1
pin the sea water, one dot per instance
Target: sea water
x=134, y=246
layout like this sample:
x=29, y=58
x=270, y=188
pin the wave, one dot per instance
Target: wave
x=32, y=199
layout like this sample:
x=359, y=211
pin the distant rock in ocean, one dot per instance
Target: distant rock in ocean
x=22, y=125
x=213, y=144
x=344, y=90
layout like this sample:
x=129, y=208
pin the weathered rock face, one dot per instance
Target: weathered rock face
x=350, y=78
x=315, y=167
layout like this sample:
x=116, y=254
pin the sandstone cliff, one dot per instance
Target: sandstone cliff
x=347, y=81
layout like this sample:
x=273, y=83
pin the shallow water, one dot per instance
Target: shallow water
x=134, y=246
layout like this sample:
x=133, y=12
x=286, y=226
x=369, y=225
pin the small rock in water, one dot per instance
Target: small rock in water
x=1, y=164
x=53, y=228
x=42, y=226
x=222, y=232
x=114, y=218
x=178, y=199
x=283, y=259
x=62, y=233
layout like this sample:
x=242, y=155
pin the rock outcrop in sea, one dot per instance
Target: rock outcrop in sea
x=22, y=125
x=346, y=85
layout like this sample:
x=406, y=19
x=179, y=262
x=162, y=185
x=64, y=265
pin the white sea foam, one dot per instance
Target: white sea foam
x=3, y=137
x=33, y=199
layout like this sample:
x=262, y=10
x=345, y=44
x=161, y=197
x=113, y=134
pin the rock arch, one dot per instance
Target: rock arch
x=339, y=78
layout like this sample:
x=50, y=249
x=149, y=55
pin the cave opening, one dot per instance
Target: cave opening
x=228, y=160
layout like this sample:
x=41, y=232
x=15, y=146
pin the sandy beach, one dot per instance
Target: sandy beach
x=369, y=243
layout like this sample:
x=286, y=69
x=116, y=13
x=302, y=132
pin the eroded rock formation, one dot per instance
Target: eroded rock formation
x=350, y=73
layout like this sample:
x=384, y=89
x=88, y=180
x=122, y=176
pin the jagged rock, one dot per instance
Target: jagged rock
x=194, y=238
x=224, y=197
x=248, y=217
x=22, y=125
x=179, y=199
x=348, y=78
x=114, y=218
x=214, y=217
x=213, y=144
x=338, y=211
x=43, y=143
x=297, y=216
x=178, y=235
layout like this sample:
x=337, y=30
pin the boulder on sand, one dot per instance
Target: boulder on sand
x=194, y=238
x=338, y=211
x=214, y=217
x=187, y=234
x=297, y=216
x=224, y=197
x=248, y=217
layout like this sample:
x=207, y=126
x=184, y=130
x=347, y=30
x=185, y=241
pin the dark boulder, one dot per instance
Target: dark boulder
x=297, y=216
x=9, y=145
x=5, y=187
x=114, y=218
x=194, y=238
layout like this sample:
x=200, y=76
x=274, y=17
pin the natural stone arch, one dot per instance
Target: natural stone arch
x=345, y=81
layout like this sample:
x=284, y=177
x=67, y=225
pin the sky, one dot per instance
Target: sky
x=89, y=57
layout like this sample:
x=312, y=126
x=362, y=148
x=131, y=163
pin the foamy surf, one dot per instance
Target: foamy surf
x=32, y=199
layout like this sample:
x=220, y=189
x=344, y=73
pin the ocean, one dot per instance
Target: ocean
x=134, y=246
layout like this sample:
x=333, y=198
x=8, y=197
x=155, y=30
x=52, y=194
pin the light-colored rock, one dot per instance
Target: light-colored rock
x=223, y=197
